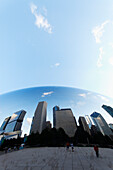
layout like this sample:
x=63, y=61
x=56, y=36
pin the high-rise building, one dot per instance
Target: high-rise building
x=88, y=120
x=63, y=118
x=15, y=121
x=84, y=125
x=39, y=119
x=108, y=109
x=101, y=124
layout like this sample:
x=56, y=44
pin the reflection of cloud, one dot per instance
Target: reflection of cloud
x=41, y=21
x=82, y=95
x=103, y=98
x=29, y=120
x=80, y=103
x=56, y=65
x=13, y=116
x=89, y=93
x=99, y=61
x=45, y=11
x=111, y=44
x=47, y=93
x=111, y=60
x=98, y=31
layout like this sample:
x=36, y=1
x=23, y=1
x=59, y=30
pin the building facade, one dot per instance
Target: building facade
x=39, y=119
x=63, y=118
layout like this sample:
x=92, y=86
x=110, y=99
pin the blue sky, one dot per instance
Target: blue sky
x=52, y=42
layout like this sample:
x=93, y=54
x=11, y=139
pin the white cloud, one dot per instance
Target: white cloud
x=111, y=60
x=29, y=120
x=82, y=95
x=98, y=31
x=47, y=93
x=41, y=21
x=99, y=61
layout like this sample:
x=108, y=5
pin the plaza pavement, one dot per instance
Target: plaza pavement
x=45, y=158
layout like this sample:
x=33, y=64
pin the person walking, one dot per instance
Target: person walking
x=96, y=149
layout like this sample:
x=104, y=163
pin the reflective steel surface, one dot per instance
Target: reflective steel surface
x=81, y=102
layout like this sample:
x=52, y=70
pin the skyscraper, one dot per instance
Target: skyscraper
x=108, y=109
x=84, y=125
x=39, y=119
x=101, y=124
x=63, y=118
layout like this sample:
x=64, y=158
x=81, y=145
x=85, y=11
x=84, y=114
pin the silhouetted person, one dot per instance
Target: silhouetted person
x=72, y=147
x=96, y=150
x=67, y=145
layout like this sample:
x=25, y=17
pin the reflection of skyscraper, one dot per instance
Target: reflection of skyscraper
x=111, y=126
x=39, y=119
x=56, y=108
x=84, y=125
x=88, y=120
x=101, y=124
x=4, y=124
x=48, y=125
x=64, y=119
x=15, y=121
x=108, y=109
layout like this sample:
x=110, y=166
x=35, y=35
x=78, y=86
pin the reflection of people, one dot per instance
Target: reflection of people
x=67, y=145
x=96, y=150
x=72, y=147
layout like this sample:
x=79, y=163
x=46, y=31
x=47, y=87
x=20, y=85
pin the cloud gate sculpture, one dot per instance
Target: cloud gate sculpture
x=82, y=102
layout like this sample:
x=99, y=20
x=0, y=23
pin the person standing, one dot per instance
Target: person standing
x=96, y=149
